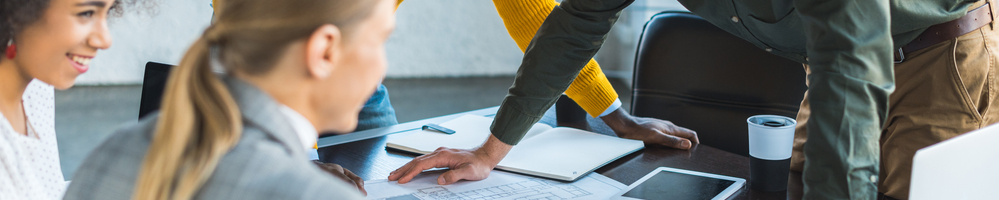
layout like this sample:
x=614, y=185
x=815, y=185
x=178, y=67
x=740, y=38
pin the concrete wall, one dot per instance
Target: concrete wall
x=433, y=38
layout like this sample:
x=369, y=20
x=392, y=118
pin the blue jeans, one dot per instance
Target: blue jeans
x=377, y=112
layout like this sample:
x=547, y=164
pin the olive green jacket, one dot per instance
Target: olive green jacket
x=847, y=43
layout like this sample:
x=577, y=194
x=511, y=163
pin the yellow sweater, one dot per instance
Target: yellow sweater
x=591, y=89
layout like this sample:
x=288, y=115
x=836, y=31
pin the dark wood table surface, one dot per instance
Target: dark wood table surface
x=365, y=154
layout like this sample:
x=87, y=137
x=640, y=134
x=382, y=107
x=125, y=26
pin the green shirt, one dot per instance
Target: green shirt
x=848, y=45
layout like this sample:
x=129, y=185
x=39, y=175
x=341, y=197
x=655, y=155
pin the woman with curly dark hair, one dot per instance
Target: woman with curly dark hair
x=45, y=44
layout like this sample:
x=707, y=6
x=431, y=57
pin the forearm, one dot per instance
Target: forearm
x=590, y=89
x=849, y=49
x=571, y=34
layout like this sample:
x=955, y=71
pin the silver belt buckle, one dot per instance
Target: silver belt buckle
x=900, y=56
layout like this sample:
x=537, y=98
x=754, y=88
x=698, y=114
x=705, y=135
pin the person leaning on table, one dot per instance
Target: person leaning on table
x=590, y=89
x=944, y=88
x=292, y=68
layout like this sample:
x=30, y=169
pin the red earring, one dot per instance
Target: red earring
x=11, y=49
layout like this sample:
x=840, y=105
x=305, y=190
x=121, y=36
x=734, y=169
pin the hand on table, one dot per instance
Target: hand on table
x=344, y=174
x=464, y=164
x=650, y=130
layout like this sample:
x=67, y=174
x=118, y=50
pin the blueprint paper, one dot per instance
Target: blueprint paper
x=499, y=186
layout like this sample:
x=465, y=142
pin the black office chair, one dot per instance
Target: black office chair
x=698, y=76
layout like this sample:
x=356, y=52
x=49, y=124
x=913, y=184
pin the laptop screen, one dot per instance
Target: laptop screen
x=153, y=83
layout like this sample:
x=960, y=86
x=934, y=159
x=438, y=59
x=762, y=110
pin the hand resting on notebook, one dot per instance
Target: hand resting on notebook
x=650, y=130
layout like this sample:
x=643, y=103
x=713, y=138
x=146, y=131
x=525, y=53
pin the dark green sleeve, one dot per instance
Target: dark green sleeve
x=568, y=38
x=849, y=47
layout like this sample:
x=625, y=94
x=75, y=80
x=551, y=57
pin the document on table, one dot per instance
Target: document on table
x=499, y=186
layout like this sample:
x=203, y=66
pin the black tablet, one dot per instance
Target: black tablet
x=678, y=184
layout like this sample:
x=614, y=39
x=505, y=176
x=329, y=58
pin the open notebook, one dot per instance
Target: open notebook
x=557, y=153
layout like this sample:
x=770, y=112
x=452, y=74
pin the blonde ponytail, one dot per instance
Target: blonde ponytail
x=198, y=123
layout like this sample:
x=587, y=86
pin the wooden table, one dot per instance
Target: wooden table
x=364, y=153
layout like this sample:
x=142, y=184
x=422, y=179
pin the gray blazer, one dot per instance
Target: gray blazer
x=267, y=163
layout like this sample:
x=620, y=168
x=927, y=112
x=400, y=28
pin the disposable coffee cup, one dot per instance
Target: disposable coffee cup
x=770, y=141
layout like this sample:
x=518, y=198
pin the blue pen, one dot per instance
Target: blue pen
x=438, y=128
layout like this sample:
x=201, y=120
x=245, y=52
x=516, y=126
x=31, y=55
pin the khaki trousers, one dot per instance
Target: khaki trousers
x=941, y=91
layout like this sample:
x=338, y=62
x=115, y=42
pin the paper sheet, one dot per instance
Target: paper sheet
x=499, y=186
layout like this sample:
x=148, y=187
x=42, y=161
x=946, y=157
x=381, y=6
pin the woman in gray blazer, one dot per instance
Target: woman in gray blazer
x=293, y=68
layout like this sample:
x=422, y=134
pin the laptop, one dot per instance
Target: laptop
x=153, y=83
x=963, y=167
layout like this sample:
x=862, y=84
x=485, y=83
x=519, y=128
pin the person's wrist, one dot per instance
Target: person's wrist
x=493, y=150
x=618, y=120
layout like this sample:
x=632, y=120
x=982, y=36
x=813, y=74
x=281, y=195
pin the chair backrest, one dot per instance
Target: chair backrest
x=153, y=83
x=698, y=76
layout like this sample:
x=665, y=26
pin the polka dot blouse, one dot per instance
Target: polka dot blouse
x=29, y=165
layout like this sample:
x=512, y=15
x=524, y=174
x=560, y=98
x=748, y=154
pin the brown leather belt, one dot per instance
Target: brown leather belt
x=935, y=34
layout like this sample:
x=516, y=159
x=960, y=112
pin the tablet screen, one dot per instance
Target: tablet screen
x=672, y=185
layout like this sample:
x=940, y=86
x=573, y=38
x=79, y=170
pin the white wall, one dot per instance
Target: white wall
x=161, y=34
x=433, y=38
x=445, y=38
